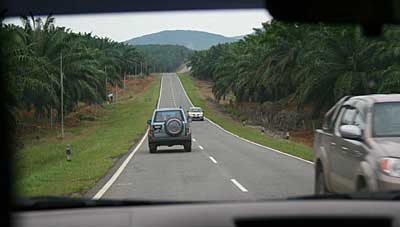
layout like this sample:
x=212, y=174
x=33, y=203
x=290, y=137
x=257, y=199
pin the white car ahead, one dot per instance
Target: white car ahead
x=196, y=113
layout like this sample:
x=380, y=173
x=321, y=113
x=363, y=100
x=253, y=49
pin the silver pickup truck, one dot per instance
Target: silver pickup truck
x=358, y=147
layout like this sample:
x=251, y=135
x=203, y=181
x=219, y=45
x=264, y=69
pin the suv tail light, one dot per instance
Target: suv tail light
x=153, y=128
x=187, y=129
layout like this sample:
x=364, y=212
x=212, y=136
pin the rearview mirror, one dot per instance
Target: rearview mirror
x=350, y=132
x=149, y=122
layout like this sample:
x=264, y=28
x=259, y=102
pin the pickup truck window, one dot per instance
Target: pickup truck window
x=348, y=116
x=361, y=114
x=386, y=120
x=327, y=125
x=359, y=120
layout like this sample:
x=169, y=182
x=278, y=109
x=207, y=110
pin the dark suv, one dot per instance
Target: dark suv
x=168, y=127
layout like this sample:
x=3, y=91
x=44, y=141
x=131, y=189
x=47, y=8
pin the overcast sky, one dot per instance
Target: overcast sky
x=123, y=26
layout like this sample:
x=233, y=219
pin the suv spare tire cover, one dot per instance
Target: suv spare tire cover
x=173, y=127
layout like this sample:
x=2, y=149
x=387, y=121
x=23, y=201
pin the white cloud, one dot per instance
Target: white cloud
x=123, y=26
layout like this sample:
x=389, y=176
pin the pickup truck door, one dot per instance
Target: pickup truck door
x=353, y=151
x=340, y=163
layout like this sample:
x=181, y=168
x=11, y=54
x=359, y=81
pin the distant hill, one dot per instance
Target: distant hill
x=165, y=58
x=195, y=40
x=239, y=37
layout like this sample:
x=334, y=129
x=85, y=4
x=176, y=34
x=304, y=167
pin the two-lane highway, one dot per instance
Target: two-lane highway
x=220, y=166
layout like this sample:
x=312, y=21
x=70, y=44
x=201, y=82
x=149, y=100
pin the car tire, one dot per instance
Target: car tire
x=153, y=148
x=320, y=184
x=187, y=146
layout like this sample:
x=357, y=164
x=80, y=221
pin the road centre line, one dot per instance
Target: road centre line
x=243, y=139
x=213, y=159
x=172, y=91
x=237, y=184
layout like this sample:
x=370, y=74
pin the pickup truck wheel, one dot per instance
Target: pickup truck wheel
x=362, y=185
x=320, y=185
x=153, y=148
x=188, y=147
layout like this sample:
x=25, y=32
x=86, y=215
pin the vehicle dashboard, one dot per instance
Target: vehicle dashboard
x=273, y=213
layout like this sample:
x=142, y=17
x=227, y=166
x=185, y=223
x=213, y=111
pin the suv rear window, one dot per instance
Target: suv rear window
x=162, y=116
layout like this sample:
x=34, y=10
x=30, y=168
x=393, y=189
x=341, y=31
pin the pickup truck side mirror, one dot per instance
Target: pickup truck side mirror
x=350, y=132
x=149, y=122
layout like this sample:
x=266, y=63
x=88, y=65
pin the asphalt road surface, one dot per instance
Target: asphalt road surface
x=220, y=166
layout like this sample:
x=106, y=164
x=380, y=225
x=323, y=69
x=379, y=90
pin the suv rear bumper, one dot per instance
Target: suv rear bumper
x=179, y=140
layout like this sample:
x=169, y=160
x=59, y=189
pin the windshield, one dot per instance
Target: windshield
x=162, y=116
x=87, y=88
x=195, y=110
x=386, y=119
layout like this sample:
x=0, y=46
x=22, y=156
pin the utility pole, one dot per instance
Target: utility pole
x=51, y=116
x=124, y=79
x=105, y=70
x=116, y=92
x=95, y=104
x=62, y=96
x=135, y=69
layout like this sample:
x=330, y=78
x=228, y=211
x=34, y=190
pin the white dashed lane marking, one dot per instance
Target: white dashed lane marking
x=201, y=148
x=213, y=160
x=237, y=184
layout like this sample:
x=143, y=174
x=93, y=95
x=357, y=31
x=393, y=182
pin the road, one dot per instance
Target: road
x=220, y=166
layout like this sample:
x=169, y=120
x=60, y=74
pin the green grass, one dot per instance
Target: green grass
x=237, y=128
x=42, y=168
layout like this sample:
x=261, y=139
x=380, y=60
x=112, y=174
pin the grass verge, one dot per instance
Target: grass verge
x=42, y=169
x=237, y=128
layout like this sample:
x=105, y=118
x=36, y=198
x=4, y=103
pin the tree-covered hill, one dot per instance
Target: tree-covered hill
x=165, y=58
x=195, y=40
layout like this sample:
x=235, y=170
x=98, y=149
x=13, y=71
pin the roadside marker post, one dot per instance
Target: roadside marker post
x=68, y=152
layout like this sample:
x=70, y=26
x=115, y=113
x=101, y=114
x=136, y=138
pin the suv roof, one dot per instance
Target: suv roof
x=379, y=98
x=166, y=109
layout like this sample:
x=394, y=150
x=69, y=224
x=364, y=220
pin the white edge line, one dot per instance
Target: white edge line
x=202, y=148
x=213, y=159
x=159, y=96
x=237, y=184
x=111, y=181
x=254, y=143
